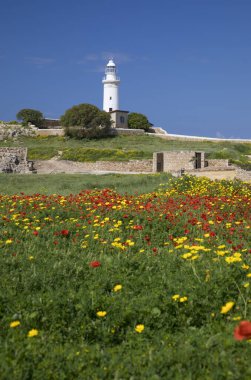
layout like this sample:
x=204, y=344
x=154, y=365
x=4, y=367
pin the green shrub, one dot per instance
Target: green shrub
x=86, y=121
x=42, y=153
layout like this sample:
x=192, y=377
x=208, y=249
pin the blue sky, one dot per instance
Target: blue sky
x=186, y=64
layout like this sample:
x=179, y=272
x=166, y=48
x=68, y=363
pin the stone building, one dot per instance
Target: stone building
x=119, y=118
x=176, y=161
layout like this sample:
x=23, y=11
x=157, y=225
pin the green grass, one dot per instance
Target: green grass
x=122, y=147
x=95, y=154
x=74, y=183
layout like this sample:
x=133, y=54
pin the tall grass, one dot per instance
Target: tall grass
x=74, y=183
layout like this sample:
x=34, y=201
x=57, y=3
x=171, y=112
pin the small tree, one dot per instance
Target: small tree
x=86, y=121
x=138, y=121
x=27, y=115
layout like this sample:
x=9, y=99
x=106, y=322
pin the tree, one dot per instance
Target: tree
x=86, y=121
x=138, y=121
x=27, y=115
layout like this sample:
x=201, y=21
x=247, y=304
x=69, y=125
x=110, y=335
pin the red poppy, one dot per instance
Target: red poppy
x=138, y=227
x=95, y=264
x=35, y=233
x=65, y=232
x=243, y=330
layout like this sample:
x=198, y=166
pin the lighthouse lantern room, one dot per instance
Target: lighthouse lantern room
x=111, y=88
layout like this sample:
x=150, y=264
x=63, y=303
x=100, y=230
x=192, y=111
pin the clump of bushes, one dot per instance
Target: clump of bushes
x=86, y=121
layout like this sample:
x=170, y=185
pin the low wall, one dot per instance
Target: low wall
x=125, y=166
x=244, y=175
x=117, y=131
x=50, y=132
x=219, y=163
x=65, y=166
x=197, y=138
x=127, y=131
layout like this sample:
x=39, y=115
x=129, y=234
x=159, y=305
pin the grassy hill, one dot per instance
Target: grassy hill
x=126, y=147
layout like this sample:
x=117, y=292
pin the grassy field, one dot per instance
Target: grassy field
x=104, y=285
x=124, y=276
x=74, y=183
x=124, y=147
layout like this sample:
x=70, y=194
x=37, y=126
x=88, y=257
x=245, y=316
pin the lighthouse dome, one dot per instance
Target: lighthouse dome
x=111, y=63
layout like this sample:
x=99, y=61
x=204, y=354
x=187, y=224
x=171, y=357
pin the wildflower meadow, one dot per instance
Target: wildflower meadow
x=100, y=285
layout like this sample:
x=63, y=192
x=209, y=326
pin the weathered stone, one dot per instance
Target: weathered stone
x=10, y=131
x=14, y=160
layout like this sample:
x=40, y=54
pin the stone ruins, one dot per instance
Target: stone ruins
x=14, y=160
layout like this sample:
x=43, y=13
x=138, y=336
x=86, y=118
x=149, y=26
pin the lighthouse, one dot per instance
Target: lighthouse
x=111, y=88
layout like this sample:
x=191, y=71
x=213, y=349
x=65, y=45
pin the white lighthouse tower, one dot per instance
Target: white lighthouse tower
x=111, y=88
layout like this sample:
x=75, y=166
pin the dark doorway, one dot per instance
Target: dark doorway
x=160, y=162
x=197, y=160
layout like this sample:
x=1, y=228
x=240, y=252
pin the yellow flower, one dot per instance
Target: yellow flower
x=32, y=333
x=186, y=255
x=244, y=266
x=139, y=328
x=8, y=241
x=183, y=299
x=225, y=309
x=246, y=285
x=117, y=288
x=14, y=323
x=101, y=314
x=176, y=297
x=195, y=257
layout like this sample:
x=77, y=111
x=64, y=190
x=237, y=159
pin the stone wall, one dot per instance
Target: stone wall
x=125, y=131
x=115, y=131
x=219, y=163
x=50, y=132
x=14, y=160
x=243, y=175
x=64, y=166
x=125, y=166
x=8, y=131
